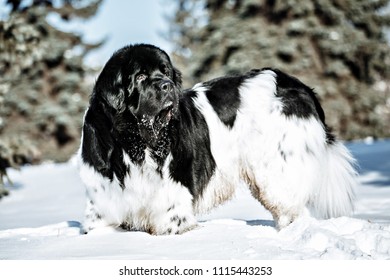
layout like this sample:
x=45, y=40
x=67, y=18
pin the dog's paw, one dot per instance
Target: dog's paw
x=92, y=221
x=173, y=223
x=90, y=225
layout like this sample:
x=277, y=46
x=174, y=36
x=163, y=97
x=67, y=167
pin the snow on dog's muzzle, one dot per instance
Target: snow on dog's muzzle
x=150, y=125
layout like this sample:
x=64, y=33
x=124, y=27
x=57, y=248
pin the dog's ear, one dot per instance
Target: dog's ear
x=97, y=145
x=109, y=87
x=177, y=77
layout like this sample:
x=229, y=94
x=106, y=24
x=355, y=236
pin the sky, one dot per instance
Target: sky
x=122, y=23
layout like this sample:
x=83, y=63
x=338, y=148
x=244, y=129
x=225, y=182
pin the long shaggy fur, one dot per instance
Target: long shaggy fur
x=153, y=156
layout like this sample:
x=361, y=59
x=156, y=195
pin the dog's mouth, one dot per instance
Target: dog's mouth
x=150, y=127
x=165, y=115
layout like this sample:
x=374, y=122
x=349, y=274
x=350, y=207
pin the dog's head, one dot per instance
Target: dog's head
x=141, y=79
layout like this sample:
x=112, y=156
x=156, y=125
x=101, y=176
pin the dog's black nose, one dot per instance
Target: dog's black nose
x=166, y=86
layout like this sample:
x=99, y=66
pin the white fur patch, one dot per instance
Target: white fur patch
x=148, y=202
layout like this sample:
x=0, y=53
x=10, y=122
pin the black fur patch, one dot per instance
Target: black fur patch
x=100, y=148
x=299, y=100
x=98, y=144
x=110, y=128
x=223, y=95
x=192, y=164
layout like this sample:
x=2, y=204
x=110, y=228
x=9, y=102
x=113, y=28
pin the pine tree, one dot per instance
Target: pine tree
x=42, y=76
x=338, y=47
x=43, y=92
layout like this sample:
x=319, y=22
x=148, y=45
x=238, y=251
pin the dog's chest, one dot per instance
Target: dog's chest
x=150, y=174
x=139, y=156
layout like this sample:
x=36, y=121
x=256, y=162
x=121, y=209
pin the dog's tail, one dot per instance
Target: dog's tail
x=334, y=195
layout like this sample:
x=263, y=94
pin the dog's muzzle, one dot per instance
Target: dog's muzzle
x=156, y=109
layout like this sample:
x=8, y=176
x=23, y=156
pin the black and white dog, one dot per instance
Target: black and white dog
x=153, y=156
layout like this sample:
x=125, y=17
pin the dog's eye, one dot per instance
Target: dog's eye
x=141, y=77
x=166, y=71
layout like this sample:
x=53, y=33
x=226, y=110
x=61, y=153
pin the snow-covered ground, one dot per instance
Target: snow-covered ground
x=41, y=220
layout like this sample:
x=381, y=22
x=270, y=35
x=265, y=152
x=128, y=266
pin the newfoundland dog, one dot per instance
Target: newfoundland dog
x=153, y=155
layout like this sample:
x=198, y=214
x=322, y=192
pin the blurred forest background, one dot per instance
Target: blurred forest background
x=337, y=47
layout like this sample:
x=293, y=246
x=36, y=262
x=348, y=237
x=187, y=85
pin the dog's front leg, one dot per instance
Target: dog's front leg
x=92, y=218
x=172, y=211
